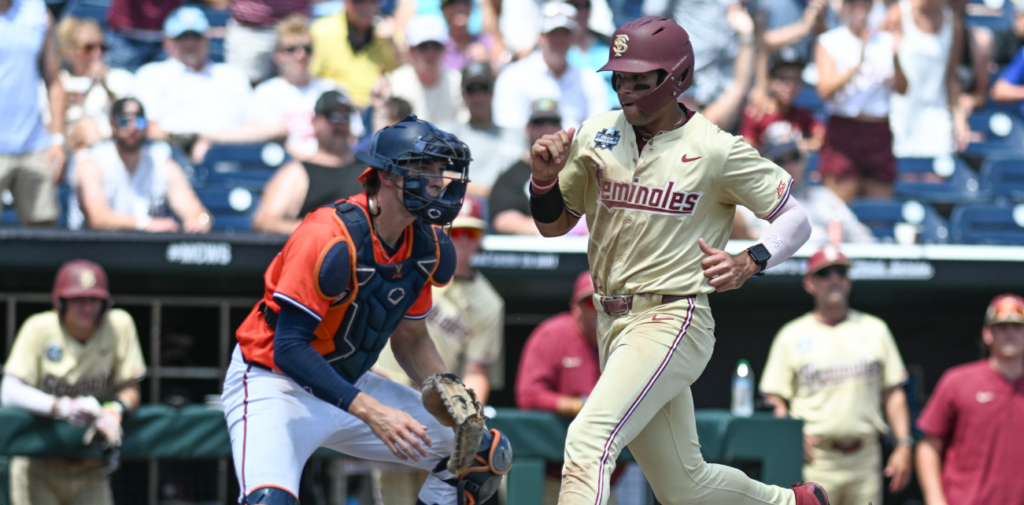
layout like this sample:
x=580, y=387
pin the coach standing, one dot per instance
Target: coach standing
x=973, y=449
x=65, y=362
x=837, y=368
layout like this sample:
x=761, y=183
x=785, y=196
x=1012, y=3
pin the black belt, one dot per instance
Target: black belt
x=269, y=315
x=257, y=365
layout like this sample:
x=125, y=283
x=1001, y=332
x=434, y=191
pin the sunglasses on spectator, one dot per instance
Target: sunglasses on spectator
x=140, y=122
x=473, y=89
x=546, y=122
x=90, y=47
x=294, y=49
x=430, y=46
x=827, y=272
x=470, y=233
x=338, y=117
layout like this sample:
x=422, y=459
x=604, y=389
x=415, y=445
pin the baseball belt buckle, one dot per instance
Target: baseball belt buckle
x=848, y=445
x=617, y=304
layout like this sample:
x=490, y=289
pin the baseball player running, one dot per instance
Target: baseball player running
x=350, y=277
x=64, y=362
x=659, y=185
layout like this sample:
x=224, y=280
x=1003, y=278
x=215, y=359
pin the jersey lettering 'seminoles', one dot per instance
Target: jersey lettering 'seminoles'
x=654, y=199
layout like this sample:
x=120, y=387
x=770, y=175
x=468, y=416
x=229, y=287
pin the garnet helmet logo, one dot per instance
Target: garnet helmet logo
x=620, y=45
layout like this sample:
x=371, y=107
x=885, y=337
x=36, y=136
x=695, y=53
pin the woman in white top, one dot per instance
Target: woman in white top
x=926, y=118
x=90, y=86
x=855, y=79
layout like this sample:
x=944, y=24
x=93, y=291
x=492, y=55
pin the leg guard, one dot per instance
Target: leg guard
x=493, y=461
x=270, y=496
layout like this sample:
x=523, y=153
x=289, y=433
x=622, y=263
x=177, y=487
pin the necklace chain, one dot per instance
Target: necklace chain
x=647, y=138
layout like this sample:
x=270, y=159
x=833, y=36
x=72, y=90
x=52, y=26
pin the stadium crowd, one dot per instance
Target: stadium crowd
x=867, y=103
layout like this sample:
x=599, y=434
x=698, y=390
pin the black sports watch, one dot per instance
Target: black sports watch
x=759, y=253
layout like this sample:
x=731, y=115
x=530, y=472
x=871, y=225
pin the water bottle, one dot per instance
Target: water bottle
x=743, y=390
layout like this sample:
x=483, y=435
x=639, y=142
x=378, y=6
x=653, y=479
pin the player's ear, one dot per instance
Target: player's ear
x=808, y=285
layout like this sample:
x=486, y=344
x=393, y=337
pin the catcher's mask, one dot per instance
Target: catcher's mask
x=418, y=151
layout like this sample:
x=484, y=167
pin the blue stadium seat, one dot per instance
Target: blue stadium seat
x=1003, y=176
x=960, y=186
x=232, y=208
x=1003, y=132
x=808, y=99
x=883, y=215
x=217, y=50
x=9, y=217
x=95, y=9
x=999, y=224
x=224, y=158
x=812, y=171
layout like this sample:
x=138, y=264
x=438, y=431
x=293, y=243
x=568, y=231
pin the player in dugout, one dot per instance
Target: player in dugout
x=659, y=185
x=80, y=362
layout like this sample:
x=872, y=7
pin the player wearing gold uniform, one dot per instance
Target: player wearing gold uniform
x=659, y=186
x=832, y=368
x=63, y=364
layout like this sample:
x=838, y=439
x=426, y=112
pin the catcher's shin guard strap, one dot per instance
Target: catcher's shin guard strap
x=548, y=207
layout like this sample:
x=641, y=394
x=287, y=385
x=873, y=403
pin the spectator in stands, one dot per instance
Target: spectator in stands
x=188, y=96
x=779, y=118
x=974, y=61
x=792, y=26
x=90, y=87
x=972, y=446
x=559, y=367
x=385, y=112
x=433, y=90
x=127, y=183
x=63, y=363
x=135, y=35
x=250, y=40
x=839, y=370
x=299, y=187
x=580, y=94
x=288, y=99
x=824, y=208
x=521, y=23
x=31, y=158
x=1008, y=42
x=509, y=203
x=494, y=148
x=589, y=51
x=926, y=117
x=461, y=46
x=855, y=74
x=1009, y=87
x=346, y=51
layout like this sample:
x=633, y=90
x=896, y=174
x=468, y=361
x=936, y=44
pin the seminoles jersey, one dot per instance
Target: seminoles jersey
x=834, y=376
x=45, y=356
x=356, y=318
x=646, y=211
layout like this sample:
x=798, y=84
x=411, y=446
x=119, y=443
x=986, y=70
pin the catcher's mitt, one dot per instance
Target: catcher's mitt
x=446, y=397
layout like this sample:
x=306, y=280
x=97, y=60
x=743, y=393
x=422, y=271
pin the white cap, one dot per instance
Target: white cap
x=556, y=15
x=426, y=28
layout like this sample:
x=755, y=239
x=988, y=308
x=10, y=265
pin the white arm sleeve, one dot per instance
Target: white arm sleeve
x=15, y=393
x=789, y=229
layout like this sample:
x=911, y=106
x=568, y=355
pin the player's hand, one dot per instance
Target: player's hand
x=809, y=442
x=898, y=468
x=549, y=154
x=725, y=271
x=402, y=433
x=78, y=410
x=107, y=424
x=55, y=158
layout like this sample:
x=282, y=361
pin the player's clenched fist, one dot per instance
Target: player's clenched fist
x=549, y=154
x=726, y=271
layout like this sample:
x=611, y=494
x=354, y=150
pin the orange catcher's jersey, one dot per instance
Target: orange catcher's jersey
x=296, y=274
x=646, y=211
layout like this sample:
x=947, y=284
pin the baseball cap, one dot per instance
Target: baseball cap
x=583, y=287
x=471, y=215
x=781, y=150
x=426, y=28
x=186, y=19
x=544, y=108
x=556, y=15
x=1005, y=308
x=476, y=72
x=331, y=101
x=827, y=256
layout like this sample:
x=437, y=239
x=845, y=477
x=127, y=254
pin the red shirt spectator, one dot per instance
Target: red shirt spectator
x=972, y=423
x=140, y=14
x=793, y=124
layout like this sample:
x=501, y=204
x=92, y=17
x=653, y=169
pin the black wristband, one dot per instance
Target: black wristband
x=547, y=208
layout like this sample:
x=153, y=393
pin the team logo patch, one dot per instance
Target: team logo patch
x=782, y=187
x=620, y=46
x=54, y=353
x=667, y=199
x=86, y=279
x=606, y=138
x=396, y=295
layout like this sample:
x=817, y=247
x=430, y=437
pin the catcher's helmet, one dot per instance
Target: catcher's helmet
x=654, y=43
x=403, y=147
x=79, y=279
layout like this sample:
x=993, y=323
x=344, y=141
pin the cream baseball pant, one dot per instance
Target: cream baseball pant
x=44, y=481
x=650, y=356
x=851, y=479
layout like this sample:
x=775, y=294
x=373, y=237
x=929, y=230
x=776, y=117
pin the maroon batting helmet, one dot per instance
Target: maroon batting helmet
x=654, y=43
x=80, y=279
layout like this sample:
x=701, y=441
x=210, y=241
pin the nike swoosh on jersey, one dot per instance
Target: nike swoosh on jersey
x=687, y=160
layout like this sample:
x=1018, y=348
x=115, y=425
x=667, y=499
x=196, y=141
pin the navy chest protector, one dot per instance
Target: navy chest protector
x=386, y=292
